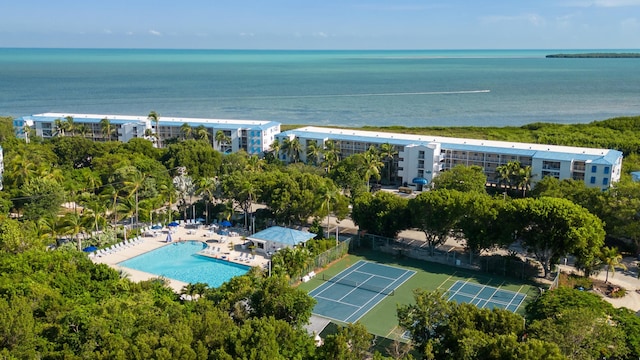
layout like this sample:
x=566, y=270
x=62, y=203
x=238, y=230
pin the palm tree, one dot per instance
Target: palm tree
x=74, y=224
x=126, y=207
x=22, y=169
x=155, y=117
x=313, y=153
x=97, y=213
x=51, y=225
x=387, y=154
x=27, y=132
x=328, y=196
x=107, y=129
x=292, y=147
x=168, y=194
x=59, y=127
x=202, y=133
x=276, y=147
x=207, y=187
x=372, y=165
x=612, y=259
x=186, y=130
x=150, y=135
x=504, y=174
x=524, y=179
x=254, y=164
x=69, y=125
x=222, y=139
x=248, y=193
x=110, y=196
x=134, y=183
x=331, y=154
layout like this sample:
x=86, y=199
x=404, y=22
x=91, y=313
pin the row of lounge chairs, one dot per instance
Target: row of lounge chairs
x=117, y=247
x=245, y=257
x=211, y=251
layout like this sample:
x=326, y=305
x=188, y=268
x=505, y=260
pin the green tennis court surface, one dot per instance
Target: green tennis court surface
x=353, y=292
x=484, y=296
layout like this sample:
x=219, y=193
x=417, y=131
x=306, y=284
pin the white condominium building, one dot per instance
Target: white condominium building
x=420, y=158
x=253, y=136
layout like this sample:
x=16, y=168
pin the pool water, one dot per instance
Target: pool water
x=180, y=261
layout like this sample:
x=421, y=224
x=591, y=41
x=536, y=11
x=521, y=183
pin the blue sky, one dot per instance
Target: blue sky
x=327, y=24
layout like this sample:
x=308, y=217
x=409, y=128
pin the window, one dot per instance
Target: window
x=606, y=169
x=593, y=179
x=605, y=181
x=594, y=168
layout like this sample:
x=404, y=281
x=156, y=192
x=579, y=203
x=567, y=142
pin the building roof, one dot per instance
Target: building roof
x=164, y=121
x=286, y=236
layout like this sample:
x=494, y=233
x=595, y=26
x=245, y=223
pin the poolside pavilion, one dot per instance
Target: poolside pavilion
x=276, y=237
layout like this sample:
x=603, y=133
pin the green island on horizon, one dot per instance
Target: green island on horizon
x=596, y=56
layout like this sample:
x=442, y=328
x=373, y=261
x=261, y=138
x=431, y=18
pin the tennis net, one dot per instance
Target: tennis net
x=363, y=286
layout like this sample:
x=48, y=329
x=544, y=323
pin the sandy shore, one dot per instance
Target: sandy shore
x=223, y=247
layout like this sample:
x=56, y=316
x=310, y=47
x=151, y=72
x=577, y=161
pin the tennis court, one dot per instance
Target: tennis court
x=485, y=296
x=347, y=296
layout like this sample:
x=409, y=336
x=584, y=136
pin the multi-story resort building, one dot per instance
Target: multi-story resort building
x=253, y=136
x=420, y=158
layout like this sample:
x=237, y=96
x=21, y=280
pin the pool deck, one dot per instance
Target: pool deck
x=219, y=246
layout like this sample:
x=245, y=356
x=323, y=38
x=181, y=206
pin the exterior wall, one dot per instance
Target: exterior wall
x=419, y=161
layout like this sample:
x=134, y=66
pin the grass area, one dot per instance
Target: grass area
x=381, y=320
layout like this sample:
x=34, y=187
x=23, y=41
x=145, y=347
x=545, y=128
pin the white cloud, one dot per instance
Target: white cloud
x=155, y=33
x=409, y=8
x=533, y=19
x=630, y=24
x=320, y=34
x=602, y=3
x=249, y=34
x=107, y=31
x=130, y=33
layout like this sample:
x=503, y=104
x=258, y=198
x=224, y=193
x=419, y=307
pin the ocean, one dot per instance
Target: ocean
x=338, y=88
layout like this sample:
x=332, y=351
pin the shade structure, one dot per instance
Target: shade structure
x=225, y=223
x=90, y=249
x=420, y=181
x=173, y=223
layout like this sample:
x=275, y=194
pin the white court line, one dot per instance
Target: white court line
x=383, y=296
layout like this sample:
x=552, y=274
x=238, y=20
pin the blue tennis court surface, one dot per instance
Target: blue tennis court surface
x=484, y=296
x=353, y=292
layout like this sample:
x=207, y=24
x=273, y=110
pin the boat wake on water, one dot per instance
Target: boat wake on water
x=364, y=95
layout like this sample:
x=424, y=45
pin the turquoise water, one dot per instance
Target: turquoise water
x=351, y=88
x=179, y=261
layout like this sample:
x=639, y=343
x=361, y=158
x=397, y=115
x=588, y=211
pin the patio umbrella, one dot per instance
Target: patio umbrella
x=90, y=249
x=225, y=223
x=156, y=227
x=173, y=223
x=169, y=238
x=199, y=220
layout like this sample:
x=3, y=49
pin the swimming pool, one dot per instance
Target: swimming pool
x=180, y=261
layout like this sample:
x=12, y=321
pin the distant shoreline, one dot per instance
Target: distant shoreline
x=596, y=56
